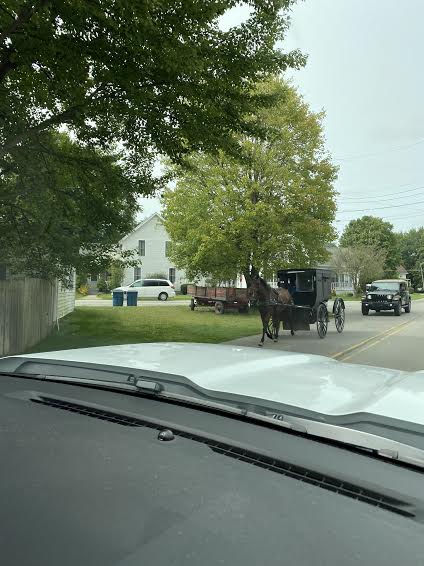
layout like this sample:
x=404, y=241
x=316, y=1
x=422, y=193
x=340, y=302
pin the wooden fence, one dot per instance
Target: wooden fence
x=28, y=311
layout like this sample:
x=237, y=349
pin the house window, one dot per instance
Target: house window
x=142, y=247
x=167, y=248
x=93, y=278
x=137, y=272
x=171, y=274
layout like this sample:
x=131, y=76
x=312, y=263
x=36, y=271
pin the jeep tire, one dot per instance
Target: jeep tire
x=398, y=309
x=365, y=310
x=408, y=307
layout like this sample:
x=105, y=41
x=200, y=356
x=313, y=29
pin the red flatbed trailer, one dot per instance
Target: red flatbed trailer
x=222, y=298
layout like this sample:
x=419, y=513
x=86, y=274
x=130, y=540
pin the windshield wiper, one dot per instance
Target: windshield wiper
x=238, y=405
x=377, y=445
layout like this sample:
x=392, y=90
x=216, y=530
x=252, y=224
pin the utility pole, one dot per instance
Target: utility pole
x=422, y=274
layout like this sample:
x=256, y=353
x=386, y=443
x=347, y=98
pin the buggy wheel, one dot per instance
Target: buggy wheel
x=192, y=305
x=322, y=320
x=219, y=307
x=339, y=314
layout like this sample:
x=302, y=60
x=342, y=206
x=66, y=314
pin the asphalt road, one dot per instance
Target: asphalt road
x=379, y=339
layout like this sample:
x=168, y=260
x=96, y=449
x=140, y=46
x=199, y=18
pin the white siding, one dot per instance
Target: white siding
x=155, y=236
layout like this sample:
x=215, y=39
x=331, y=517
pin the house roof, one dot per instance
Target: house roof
x=142, y=223
x=401, y=269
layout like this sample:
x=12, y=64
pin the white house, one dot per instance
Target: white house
x=151, y=241
x=402, y=272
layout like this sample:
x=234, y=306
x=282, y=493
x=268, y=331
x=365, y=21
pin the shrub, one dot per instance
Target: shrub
x=83, y=289
x=103, y=286
x=116, y=275
x=156, y=276
x=81, y=279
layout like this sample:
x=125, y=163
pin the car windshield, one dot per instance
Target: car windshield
x=216, y=202
x=384, y=286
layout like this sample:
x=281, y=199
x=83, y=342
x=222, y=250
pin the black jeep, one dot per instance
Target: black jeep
x=386, y=295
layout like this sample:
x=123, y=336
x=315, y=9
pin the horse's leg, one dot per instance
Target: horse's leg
x=276, y=323
x=291, y=319
x=277, y=329
x=264, y=325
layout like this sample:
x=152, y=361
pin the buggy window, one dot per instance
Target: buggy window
x=304, y=282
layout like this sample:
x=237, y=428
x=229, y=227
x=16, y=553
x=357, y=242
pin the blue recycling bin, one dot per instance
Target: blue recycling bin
x=117, y=298
x=132, y=298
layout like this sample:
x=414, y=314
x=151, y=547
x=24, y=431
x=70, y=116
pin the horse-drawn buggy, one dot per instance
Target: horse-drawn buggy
x=300, y=301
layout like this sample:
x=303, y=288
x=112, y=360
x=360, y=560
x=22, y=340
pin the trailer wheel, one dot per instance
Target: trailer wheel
x=219, y=307
x=192, y=305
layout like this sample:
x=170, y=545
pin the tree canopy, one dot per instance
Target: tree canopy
x=64, y=208
x=146, y=77
x=411, y=247
x=156, y=75
x=271, y=208
x=377, y=233
x=363, y=263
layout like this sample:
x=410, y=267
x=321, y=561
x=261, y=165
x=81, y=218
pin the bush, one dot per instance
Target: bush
x=156, y=276
x=117, y=275
x=83, y=289
x=103, y=286
x=81, y=279
x=183, y=289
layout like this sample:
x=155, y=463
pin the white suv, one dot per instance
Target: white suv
x=159, y=288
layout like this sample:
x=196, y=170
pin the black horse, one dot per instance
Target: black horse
x=275, y=303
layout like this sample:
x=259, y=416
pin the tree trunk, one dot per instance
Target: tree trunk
x=248, y=273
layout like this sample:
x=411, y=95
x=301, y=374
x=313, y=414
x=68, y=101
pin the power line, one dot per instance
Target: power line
x=381, y=207
x=375, y=153
x=420, y=213
x=382, y=197
x=397, y=187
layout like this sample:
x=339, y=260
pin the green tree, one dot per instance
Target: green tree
x=65, y=208
x=116, y=274
x=269, y=209
x=374, y=232
x=157, y=76
x=151, y=77
x=411, y=245
x=363, y=263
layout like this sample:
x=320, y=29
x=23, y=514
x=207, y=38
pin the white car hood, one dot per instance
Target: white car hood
x=316, y=383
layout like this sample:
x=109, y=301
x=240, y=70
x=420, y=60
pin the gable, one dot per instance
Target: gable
x=150, y=228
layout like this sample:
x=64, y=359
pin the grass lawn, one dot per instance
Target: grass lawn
x=108, y=297
x=105, y=326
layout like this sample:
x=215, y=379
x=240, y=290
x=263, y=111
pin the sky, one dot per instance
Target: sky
x=365, y=70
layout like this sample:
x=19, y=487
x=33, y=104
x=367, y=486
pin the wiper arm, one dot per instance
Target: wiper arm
x=241, y=406
x=378, y=445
